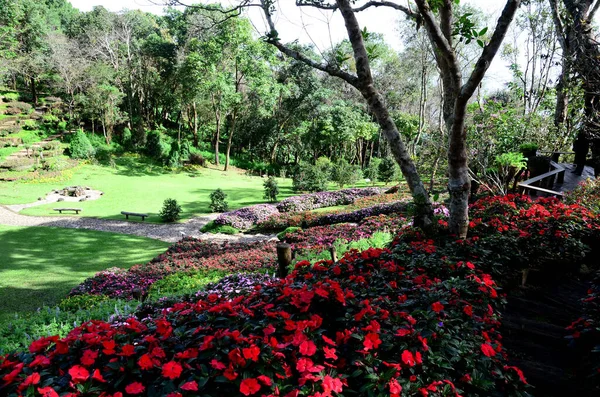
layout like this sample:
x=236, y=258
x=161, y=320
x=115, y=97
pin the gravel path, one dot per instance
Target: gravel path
x=165, y=232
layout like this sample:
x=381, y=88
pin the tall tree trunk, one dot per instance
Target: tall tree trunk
x=195, y=130
x=230, y=139
x=34, y=94
x=216, y=141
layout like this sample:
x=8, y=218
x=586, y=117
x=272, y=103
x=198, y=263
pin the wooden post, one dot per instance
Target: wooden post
x=333, y=254
x=284, y=258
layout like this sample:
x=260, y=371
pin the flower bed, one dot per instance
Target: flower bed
x=320, y=237
x=313, y=201
x=189, y=254
x=366, y=324
x=247, y=217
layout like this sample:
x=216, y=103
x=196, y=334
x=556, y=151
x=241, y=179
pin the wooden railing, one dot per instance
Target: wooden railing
x=545, y=181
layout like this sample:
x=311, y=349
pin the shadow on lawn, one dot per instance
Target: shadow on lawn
x=39, y=265
x=133, y=166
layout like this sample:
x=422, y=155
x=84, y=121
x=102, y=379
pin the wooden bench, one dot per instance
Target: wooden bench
x=128, y=214
x=60, y=210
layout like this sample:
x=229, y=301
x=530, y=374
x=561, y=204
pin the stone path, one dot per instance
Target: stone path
x=166, y=232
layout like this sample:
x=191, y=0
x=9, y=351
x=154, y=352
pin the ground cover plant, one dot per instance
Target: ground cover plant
x=39, y=265
x=132, y=183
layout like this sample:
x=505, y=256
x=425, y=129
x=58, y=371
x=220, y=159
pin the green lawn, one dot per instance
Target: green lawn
x=137, y=186
x=39, y=265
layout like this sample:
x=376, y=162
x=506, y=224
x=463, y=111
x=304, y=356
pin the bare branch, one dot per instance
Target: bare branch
x=592, y=13
x=435, y=32
x=325, y=6
x=490, y=50
x=560, y=30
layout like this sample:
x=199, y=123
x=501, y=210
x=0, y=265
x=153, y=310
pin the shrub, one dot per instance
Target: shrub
x=126, y=138
x=218, y=202
x=271, y=189
x=170, y=211
x=23, y=107
x=156, y=147
x=10, y=96
x=324, y=199
x=80, y=146
x=212, y=227
x=372, y=170
x=587, y=194
x=291, y=229
x=184, y=283
x=387, y=170
x=29, y=125
x=78, y=302
x=311, y=178
x=197, y=159
x=247, y=217
x=344, y=173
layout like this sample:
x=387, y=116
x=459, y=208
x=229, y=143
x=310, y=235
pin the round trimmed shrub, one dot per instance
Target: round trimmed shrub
x=218, y=202
x=171, y=211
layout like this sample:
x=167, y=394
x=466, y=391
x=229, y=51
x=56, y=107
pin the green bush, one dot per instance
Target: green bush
x=372, y=170
x=291, y=229
x=184, y=283
x=218, y=202
x=29, y=125
x=156, y=147
x=10, y=97
x=212, y=227
x=126, y=138
x=170, y=211
x=387, y=170
x=311, y=178
x=81, y=147
x=271, y=189
x=344, y=173
x=78, y=302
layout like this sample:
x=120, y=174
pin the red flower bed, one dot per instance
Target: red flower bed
x=368, y=324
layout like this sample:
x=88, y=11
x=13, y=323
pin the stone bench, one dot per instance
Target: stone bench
x=60, y=210
x=128, y=214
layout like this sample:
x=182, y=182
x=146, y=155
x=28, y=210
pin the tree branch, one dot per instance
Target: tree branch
x=592, y=13
x=383, y=3
x=490, y=50
x=560, y=30
x=273, y=39
x=435, y=32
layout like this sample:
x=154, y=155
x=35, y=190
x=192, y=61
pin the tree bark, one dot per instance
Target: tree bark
x=34, y=94
x=229, y=140
x=195, y=130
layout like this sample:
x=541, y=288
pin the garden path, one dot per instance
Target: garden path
x=166, y=232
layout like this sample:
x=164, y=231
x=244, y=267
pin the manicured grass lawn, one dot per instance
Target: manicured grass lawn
x=138, y=186
x=39, y=265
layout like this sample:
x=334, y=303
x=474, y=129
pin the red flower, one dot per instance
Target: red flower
x=249, y=386
x=217, y=364
x=32, y=379
x=251, y=353
x=145, y=362
x=332, y=384
x=135, y=388
x=330, y=353
x=96, y=375
x=171, y=370
x=47, y=392
x=78, y=374
x=488, y=350
x=230, y=374
x=190, y=386
x=395, y=387
x=127, y=350
x=371, y=341
x=408, y=358
x=437, y=307
x=468, y=310
x=265, y=380
x=308, y=348
x=89, y=357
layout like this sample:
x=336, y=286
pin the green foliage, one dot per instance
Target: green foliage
x=515, y=160
x=212, y=227
x=312, y=178
x=372, y=170
x=184, y=283
x=80, y=146
x=171, y=211
x=271, y=189
x=344, y=173
x=10, y=96
x=17, y=333
x=29, y=125
x=156, y=147
x=387, y=170
x=84, y=301
x=290, y=229
x=587, y=194
x=218, y=202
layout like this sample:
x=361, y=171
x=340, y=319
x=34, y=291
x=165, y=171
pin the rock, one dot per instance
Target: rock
x=40, y=198
x=82, y=199
x=60, y=199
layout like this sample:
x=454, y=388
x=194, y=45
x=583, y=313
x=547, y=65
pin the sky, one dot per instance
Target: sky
x=322, y=28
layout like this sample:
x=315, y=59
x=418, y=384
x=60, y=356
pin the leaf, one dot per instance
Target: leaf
x=483, y=31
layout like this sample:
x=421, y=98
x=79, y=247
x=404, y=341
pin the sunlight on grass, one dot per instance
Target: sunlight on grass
x=39, y=265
